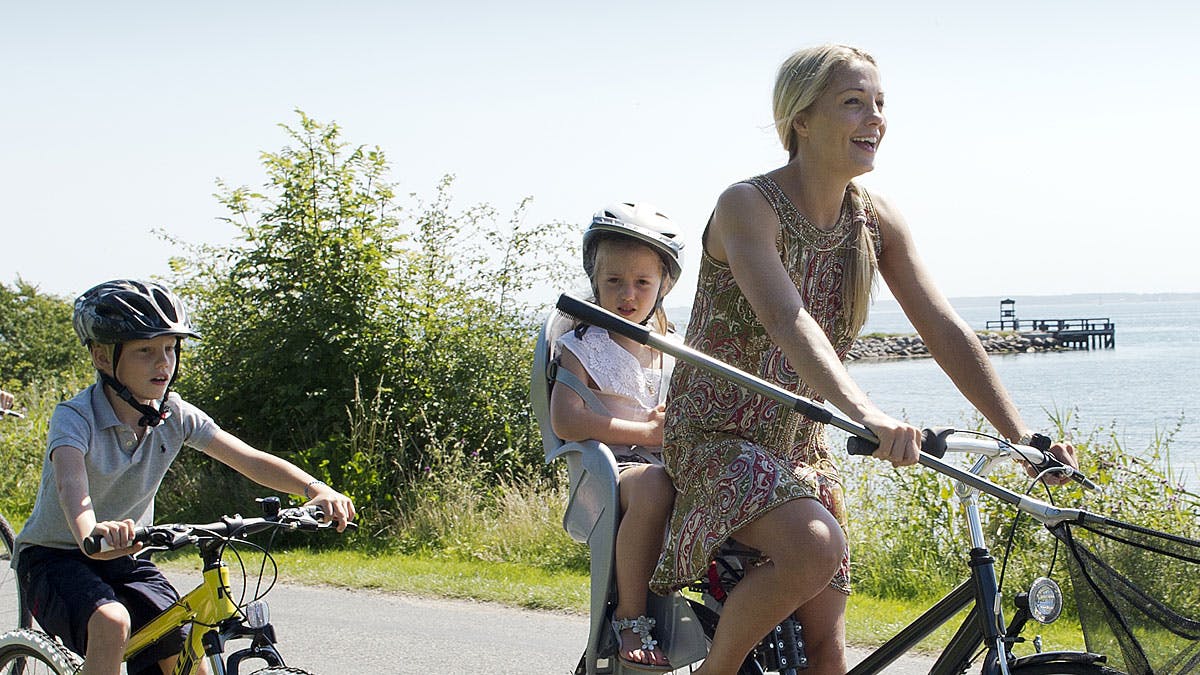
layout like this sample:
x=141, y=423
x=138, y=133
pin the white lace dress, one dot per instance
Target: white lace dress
x=626, y=389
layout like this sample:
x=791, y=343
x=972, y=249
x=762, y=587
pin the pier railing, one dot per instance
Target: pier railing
x=1074, y=333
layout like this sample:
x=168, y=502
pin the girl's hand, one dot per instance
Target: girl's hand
x=118, y=534
x=657, y=419
x=337, y=506
x=899, y=443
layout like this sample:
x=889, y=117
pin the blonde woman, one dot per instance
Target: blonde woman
x=787, y=266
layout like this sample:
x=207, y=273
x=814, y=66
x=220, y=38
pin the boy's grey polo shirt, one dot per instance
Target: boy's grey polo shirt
x=123, y=474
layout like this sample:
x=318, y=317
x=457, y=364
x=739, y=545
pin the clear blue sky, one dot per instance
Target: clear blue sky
x=1035, y=147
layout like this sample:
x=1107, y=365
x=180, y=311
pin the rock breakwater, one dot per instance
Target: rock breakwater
x=912, y=346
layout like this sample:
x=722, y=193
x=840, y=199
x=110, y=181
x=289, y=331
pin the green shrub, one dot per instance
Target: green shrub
x=365, y=340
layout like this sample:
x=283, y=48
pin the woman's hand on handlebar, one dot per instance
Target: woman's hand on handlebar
x=899, y=442
x=336, y=506
x=1063, y=452
x=118, y=535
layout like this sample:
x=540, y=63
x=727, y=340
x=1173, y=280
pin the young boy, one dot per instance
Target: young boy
x=107, y=451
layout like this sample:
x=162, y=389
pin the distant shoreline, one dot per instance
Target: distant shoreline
x=879, y=347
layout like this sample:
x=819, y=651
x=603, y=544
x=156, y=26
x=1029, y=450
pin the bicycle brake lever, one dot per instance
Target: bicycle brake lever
x=1049, y=462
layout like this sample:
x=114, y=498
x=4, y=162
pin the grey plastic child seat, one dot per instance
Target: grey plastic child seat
x=592, y=516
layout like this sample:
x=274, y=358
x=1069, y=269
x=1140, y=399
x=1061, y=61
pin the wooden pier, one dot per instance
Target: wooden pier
x=1072, y=333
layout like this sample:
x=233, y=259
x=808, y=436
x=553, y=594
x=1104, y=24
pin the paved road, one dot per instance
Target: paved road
x=331, y=631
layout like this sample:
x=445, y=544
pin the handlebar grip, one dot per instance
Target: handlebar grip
x=95, y=543
x=860, y=446
x=589, y=313
x=933, y=442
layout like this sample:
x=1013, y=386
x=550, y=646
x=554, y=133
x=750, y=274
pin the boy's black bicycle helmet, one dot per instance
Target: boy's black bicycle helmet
x=121, y=310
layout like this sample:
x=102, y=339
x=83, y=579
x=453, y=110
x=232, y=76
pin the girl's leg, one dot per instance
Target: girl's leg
x=108, y=631
x=804, y=543
x=647, y=496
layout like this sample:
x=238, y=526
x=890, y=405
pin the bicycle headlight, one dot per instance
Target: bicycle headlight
x=257, y=613
x=1045, y=600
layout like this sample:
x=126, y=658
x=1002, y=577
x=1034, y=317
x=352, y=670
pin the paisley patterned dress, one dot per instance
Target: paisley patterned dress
x=735, y=455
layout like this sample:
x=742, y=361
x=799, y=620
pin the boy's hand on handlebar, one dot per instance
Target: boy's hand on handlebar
x=336, y=506
x=899, y=443
x=118, y=535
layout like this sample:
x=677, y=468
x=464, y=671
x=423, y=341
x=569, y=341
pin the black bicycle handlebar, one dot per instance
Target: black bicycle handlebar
x=9, y=411
x=177, y=535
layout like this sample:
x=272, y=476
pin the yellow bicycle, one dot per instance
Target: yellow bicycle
x=215, y=619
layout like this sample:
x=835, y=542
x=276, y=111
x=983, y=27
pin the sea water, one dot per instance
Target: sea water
x=1145, y=388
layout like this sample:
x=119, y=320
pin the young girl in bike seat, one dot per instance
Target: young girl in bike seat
x=107, y=451
x=631, y=255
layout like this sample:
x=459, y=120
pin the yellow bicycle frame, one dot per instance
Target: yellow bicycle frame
x=204, y=607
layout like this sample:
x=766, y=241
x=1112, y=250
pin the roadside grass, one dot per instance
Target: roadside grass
x=872, y=621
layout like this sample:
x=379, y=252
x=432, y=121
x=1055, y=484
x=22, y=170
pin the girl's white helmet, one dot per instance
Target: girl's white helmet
x=642, y=222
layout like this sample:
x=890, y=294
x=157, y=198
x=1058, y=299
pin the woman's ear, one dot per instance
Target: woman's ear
x=800, y=125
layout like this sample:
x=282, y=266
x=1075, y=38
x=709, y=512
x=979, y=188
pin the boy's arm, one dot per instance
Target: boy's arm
x=279, y=474
x=70, y=478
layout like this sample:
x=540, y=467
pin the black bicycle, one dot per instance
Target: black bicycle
x=1137, y=590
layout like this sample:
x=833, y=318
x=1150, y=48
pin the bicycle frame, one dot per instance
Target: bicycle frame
x=984, y=624
x=981, y=626
x=210, y=608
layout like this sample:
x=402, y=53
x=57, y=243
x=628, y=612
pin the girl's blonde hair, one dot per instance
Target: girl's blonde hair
x=605, y=247
x=801, y=79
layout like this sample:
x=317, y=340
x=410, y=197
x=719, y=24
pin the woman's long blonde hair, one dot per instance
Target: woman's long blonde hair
x=802, y=78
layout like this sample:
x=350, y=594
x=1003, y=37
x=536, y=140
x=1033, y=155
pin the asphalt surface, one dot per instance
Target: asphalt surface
x=334, y=631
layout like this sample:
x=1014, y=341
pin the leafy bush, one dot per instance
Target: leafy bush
x=42, y=363
x=37, y=342
x=370, y=340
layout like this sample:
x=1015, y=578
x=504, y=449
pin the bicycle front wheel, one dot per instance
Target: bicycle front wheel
x=31, y=652
x=1063, y=669
x=274, y=670
x=13, y=614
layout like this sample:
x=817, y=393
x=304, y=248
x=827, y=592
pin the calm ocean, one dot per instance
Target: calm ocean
x=1147, y=385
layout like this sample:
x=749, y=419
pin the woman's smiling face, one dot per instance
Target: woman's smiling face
x=845, y=125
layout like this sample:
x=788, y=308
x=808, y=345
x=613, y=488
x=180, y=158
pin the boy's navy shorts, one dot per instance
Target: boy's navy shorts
x=64, y=587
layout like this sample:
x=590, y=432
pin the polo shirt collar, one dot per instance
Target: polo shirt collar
x=102, y=409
